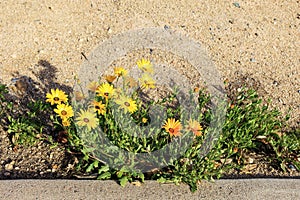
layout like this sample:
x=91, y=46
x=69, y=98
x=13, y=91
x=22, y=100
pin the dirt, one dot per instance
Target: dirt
x=47, y=42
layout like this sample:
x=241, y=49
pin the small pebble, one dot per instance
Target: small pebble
x=9, y=167
x=236, y=4
x=250, y=160
x=6, y=174
x=292, y=167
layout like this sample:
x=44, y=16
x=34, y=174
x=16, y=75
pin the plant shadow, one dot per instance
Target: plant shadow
x=24, y=97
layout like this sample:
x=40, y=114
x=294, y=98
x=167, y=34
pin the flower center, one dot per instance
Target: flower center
x=127, y=104
x=106, y=94
x=64, y=112
x=171, y=130
x=97, y=107
x=56, y=99
x=86, y=120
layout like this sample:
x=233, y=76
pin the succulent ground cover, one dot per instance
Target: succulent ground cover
x=44, y=134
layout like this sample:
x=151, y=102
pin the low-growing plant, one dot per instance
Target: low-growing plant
x=116, y=121
x=249, y=126
x=26, y=128
x=23, y=123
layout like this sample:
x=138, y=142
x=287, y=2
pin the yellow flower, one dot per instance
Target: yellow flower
x=66, y=123
x=64, y=111
x=172, y=126
x=88, y=119
x=110, y=78
x=195, y=127
x=92, y=86
x=120, y=71
x=56, y=97
x=127, y=104
x=105, y=90
x=99, y=107
x=145, y=65
x=147, y=82
x=144, y=120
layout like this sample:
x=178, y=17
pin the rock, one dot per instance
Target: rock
x=9, y=167
x=6, y=174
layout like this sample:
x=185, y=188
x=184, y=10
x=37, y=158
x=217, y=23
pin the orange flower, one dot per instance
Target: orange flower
x=78, y=96
x=110, y=78
x=172, y=126
x=195, y=127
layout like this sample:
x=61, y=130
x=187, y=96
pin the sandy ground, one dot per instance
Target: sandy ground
x=255, y=39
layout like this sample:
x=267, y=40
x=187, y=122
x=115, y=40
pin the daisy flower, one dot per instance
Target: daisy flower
x=66, y=123
x=88, y=119
x=145, y=65
x=64, y=111
x=92, y=86
x=195, y=127
x=172, y=126
x=120, y=71
x=105, y=90
x=56, y=97
x=99, y=107
x=147, y=82
x=110, y=78
x=127, y=104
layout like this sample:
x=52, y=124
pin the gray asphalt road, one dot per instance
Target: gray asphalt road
x=86, y=189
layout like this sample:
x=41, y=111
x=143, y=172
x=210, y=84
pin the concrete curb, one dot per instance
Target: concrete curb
x=91, y=189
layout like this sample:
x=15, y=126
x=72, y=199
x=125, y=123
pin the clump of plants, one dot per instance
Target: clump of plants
x=23, y=123
x=123, y=133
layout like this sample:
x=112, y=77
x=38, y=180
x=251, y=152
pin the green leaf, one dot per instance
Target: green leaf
x=90, y=167
x=123, y=181
x=104, y=168
x=104, y=176
x=161, y=180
